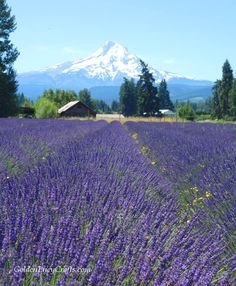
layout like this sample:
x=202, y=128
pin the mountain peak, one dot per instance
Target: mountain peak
x=106, y=67
x=109, y=44
x=111, y=63
x=111, y=48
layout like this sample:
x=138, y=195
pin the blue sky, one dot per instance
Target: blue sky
x=189, y=37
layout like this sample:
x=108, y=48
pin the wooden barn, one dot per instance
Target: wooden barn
x=76, y=109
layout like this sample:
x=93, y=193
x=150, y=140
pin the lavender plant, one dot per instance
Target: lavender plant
x=98, y=203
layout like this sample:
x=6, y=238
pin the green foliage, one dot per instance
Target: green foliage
x=8, y=98
x=11, y=165
x=8, y=55
x=115, y=106
x=216, y=107
x=164, y=96
x=226, y=85
x=202, y=106
x=60, y=97
x=85, y=97
x=23, y=101
x=203, y=117
x=101, y=106
x=128, y=97
x=232, y=100
x=185, y=111
x=148, y=101
x=222, y=100
x=44, y=108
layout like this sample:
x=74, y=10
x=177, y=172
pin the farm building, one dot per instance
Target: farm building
x=110, y=116
x=76, y=109
x=167, y=112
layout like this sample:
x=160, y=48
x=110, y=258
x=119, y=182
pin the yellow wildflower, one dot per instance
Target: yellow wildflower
x=208, y=194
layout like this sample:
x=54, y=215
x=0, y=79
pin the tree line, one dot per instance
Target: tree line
x=50, y=101
x=143, y=97
x=135, y=98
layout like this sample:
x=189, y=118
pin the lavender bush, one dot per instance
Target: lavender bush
x=99, y=201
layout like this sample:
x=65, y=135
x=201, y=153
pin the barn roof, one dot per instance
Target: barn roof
x=67, y=106
x=72, y=104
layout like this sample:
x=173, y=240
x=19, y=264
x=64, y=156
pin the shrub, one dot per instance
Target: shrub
x=186, y=111
x=45, y=108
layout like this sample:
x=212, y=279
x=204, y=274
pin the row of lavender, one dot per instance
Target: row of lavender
x=98, y=203
x=200, y=160
x=25, y=142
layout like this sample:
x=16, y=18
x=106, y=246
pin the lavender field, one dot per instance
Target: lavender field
x=134, y=204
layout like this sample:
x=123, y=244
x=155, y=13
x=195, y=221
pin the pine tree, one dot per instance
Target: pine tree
x=226, y=85
x=128, y=102
x=8, y=55
x=146, y=91
x=139, y=98
x=232, y=100
x=115, y=106
x=101, y=106
x=85, y=97
x=164, y=96
x=216, y=106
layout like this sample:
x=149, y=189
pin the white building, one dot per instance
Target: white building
x=167, y=112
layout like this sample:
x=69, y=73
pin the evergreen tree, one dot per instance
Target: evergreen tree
x=101, y=106
x=85, y=97
x=115, y=106
x=139, y=98
x=164, y=96
x=216, y=106
x=128, y=102
x=8, y=55
x=226, y=85
x=146, y=91
x=23, y=101
x=232, y=100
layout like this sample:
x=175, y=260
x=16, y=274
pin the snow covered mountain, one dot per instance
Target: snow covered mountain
x=109, y=63
x=106, y=67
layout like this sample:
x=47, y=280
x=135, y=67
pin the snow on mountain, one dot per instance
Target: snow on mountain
x=105, y=68
x=111, y=62
x=108, y=63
